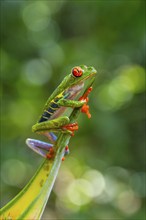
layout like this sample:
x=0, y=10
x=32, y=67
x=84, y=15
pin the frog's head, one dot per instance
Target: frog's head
x=79, y=74
x=82, y=72
x=74, y=82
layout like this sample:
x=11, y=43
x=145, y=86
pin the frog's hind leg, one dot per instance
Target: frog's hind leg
x=50, y=125
x=42, y=148
x=39, y=147
x=51, y=136
x=60, y=124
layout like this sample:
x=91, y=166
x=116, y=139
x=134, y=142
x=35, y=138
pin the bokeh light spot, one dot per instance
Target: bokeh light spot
x=80, y=192
x=134, y=78
x=128, y=202
x=120, y=90
x=53, y=53
x=65, y=206
x=97, y=181
x=37, y=71
x=9, y=174
x=138, y=183
x=119, y=172
x=36, y=15
x=65, y=177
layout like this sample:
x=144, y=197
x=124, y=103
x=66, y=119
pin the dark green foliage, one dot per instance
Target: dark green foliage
x=40, y=42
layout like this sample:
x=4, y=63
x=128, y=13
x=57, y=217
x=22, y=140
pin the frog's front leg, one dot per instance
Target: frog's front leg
x=85, y=107
x=60, y=124
x=71, y=103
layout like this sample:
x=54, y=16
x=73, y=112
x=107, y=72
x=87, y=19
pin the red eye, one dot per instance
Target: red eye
x=77, y=71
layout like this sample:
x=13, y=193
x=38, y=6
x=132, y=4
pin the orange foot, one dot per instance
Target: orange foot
x=85, y=107
x=66, y=152
x=71, y=127
x=85, y=96
x=51, y=153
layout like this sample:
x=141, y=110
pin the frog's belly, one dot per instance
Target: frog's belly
x=58, y=112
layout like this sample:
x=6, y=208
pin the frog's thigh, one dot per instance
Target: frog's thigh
x=51, y=124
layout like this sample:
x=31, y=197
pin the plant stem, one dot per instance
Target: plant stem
x=31, y=201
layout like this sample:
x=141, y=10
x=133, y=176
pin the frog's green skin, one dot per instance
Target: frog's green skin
x=63, y=97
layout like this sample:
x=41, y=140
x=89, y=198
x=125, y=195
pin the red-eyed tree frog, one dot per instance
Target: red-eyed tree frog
x=52, y=119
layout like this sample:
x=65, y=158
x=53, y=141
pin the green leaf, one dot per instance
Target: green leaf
x=31, y=201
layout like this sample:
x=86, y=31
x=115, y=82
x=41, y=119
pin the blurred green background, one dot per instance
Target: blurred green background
x=104, y=176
